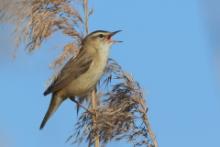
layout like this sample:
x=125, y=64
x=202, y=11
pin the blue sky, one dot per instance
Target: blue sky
x=168, y=50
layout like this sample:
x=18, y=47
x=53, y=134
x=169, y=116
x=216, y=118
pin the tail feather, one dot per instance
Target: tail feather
x=54, y=104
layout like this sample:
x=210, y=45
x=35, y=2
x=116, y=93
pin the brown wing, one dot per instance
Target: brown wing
x=72, y=70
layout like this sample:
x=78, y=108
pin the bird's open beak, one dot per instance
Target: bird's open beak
x=112, y=34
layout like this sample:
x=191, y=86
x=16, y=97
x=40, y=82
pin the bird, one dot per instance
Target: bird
x=81, y=73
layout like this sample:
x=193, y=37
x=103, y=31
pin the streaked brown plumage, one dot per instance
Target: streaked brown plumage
x=80, y=74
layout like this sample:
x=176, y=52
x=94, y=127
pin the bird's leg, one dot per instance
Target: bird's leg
x=80, y=105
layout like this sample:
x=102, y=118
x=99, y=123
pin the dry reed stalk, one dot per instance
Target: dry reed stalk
x=86, y=11
x=94, y=117
x=93, y=95
x=144, y=110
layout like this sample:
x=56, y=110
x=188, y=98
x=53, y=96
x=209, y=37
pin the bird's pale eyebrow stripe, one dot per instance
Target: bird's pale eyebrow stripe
x=98, y=31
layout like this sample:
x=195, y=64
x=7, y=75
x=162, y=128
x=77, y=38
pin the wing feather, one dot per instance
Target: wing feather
x=71, y=71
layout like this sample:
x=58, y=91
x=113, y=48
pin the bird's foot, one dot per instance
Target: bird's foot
x=80, y=105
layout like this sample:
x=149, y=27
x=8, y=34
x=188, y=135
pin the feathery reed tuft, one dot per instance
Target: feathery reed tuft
x=122, y=113
x=37, y=20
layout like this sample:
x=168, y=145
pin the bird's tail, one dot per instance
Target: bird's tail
x=54, y=104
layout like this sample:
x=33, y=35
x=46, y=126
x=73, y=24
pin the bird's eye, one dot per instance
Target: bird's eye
x=101, y=35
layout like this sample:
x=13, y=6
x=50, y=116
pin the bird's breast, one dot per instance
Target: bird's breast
x=88, y=79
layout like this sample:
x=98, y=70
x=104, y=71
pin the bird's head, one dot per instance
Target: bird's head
x=100, y=39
